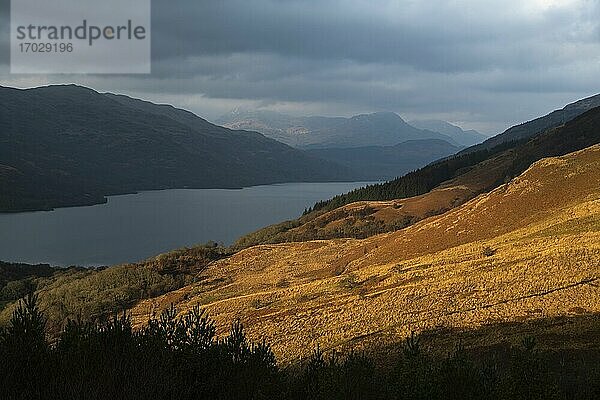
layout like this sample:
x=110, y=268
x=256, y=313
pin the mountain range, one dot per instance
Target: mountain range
x=462, y=137
x=68, y=145
x=316, y=132
x=376, y=163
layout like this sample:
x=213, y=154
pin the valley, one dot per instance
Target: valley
x=431, y=190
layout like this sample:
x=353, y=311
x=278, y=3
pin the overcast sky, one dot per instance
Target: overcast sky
x=481, y=64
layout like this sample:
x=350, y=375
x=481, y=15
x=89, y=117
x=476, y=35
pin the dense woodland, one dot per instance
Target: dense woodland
x=180, y=357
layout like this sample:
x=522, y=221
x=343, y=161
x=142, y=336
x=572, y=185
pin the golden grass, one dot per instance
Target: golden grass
x=542, y=227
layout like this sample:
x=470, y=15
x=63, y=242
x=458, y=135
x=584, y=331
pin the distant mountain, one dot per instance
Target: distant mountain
x=388, y=162
x=377, y=129
x=465, y=138
x=538, y=125
x=70, y=145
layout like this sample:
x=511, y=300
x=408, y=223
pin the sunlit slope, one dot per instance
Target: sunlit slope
x=527, y=250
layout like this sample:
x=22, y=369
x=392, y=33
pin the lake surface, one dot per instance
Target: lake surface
x=134, y=227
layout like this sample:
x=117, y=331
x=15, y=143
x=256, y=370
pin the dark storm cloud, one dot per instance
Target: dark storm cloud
x=482, y=63
x=435, y=36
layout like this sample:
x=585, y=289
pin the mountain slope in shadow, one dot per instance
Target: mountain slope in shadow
x=534, y=127
x=465, y=138
x=70, y=145
x=376, y=163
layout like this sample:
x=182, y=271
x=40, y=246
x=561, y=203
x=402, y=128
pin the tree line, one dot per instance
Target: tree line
x=414, y=183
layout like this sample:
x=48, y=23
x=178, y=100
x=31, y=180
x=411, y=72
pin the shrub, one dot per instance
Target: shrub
x=488, y=251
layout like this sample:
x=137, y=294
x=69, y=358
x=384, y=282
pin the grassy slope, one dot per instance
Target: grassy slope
x=542, y=226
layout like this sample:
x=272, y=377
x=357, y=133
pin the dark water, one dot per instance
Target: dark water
x=134, y=227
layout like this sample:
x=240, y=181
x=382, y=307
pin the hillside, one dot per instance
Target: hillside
x=376, y=163
x=93, y=293
x=429, y=191
x=465, y=138
x=16, y=279
x=376, y=129
x=525, y=251
x=69, y=145
x=17, y=271
x=531, y=128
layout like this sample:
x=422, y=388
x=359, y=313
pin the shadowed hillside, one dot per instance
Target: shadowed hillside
x=465, y=138
x=92, y=294
x=376, y=163
x=181, y=357
x=534, y=127
x=69, y=145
